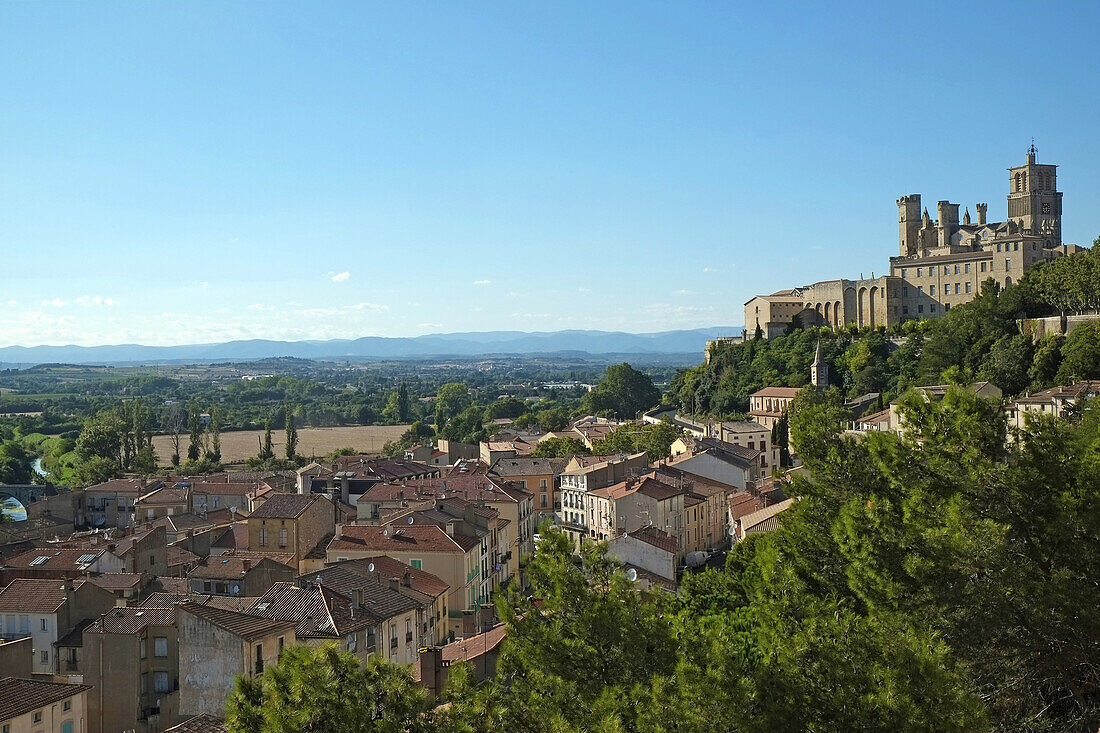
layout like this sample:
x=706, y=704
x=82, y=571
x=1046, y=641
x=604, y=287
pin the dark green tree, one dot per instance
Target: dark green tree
x=623, y=392
x=291, y=434
x=194, y=424
x=321, y=690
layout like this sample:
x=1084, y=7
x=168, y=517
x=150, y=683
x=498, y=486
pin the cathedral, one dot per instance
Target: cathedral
x=941, y=262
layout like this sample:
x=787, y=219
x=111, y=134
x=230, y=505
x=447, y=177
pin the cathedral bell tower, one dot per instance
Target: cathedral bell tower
x=819, y=372
x=1034, y=201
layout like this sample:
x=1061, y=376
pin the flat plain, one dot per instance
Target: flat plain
x=241, y=444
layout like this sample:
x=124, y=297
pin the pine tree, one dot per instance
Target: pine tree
x=267, y=452
x=403, y=403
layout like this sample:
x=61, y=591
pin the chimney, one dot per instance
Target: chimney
x=395, y=583
x=407, y=579
x=247, y=563
x=450, y=529
x=357, y=598
x=67, y=586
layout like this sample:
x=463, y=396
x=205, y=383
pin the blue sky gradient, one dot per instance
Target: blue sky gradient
x=204, y=171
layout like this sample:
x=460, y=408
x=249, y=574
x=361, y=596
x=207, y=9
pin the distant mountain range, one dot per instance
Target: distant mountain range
x=374, y=347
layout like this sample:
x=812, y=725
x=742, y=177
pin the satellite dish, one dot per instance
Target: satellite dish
x=631, y=575
x=410, y=520
x=370, y=568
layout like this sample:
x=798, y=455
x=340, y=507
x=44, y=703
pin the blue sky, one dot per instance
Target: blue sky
x=202, y=171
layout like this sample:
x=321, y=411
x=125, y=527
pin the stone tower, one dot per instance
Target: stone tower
x=1034, y=202
x=909, y=224
x=819, y=372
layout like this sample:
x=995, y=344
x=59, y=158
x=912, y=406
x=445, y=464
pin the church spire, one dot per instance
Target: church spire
x=819, y=372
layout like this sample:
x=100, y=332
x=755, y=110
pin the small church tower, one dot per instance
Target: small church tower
x=819, y=372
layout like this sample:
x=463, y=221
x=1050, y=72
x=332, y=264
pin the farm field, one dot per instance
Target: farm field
x=241, y=444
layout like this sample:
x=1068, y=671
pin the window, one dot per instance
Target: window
x=160, y=646
x=1008, y=265
x=947, y=270
x=947, y=306
x=160, y=682
x=956, y=269
x=542, y=484
x=417, y=563
x=956, y=288
x=143, y=686
x=968, y=287
x=259, y=667
x=38, y=716
x=24, y=624
x=904, y=272
x=263, y=537
x=350, y=643
x=905, y=292
x=393, y=636
x=544, y=501
x=1016, y=247
x=44, y=624
x=152, y=560
x=282, y=537
x=983, y=267
x=931, y=289
x=920, y=290
x=523, y=485
x=282, y=643
x=142, y=653
x=920, y=309
x=67, y=705
x=966, y=267
x=905, y=310
x=919, y=269
x=45, y=656
x=932, y=308
x=408, y=630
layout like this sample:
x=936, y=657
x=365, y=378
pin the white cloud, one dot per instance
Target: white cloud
x=13, y=302
x=56, y=303
x=708, y=269
x=584, y=290
x=482, y=282
x=90, y=300
x=429, y=325
x=683, y=292
x=261, y=307
x=341, y=277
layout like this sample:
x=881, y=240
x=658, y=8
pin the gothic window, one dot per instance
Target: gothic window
x=1018, y=188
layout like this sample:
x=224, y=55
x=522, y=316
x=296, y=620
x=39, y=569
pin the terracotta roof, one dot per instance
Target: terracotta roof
x=757, y=518
x=176, y=523
x=170, y=600
x=163, y=495
x=19, y=697
x=474, y=646
x=525, y=466
x=317, y=611
x=35, y=594
x=201, y=723
x=118, y=581
x=688, y=481
x=646, y=485
x=126, y=486
x=222, y=489
x=469, y=486
x=1066, y=392
x=412, y=538
x=131, y=620
x=743, y=426
x=777, y=392
x=235, y=536
x=244, y=625
x=49, y=558
x=343, y=576
x=181, y=556
x=285, y=506
x=657, y=538
x=225, y=567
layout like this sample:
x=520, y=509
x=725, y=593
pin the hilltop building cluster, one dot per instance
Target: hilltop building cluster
x=941, y=262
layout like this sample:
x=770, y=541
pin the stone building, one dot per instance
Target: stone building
x=941, y=262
